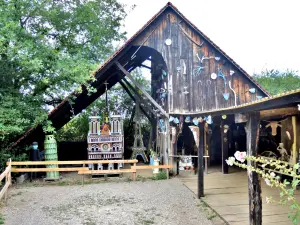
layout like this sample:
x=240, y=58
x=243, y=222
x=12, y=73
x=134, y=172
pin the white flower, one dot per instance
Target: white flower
x=268, y=200
x=268, y=182
x=230, y=161
x=263, y=165
x=240, y=156
x=272, y=174
x=289, y=198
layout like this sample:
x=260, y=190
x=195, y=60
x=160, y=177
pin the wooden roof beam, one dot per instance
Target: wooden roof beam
x=136, y=94
x=141, y=89
x=134, y=99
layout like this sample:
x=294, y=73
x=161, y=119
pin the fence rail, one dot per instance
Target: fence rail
x=6, y=174
x=11, y=167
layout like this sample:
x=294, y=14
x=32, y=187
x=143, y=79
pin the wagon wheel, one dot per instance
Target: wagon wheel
x=269, y=154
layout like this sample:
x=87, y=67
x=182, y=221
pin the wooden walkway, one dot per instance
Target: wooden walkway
x=227, y=194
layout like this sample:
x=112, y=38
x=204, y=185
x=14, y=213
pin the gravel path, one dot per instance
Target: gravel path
x=149, y=202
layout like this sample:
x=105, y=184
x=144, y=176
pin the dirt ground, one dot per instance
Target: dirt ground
x=106, y=202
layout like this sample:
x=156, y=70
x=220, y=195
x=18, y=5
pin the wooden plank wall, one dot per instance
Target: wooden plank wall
x=182, y=61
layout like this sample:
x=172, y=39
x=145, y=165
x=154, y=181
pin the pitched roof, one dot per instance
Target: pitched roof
x=61, y=111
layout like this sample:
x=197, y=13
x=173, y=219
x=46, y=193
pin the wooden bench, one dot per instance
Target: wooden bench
x=118, y=171
x=81, y=170
x=99, y=172
x=167, y=167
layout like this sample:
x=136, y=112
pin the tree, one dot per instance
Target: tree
x=276, y=82
x=47, y=49
x=119, y=103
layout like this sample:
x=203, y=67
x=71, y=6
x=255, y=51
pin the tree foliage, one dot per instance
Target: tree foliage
x=276, y=82
x=119, y=103
x=47, y=49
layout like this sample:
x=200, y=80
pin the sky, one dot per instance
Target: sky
x=257, y=34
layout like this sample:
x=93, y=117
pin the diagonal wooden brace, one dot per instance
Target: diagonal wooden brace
x=141, y=89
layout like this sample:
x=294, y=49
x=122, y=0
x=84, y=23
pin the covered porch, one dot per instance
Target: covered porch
x=227, y=195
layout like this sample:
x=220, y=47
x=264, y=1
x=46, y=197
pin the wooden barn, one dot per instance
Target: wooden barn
x=202, y=103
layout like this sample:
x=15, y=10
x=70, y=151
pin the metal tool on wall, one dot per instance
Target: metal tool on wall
x=234, y=93
x=225, y=94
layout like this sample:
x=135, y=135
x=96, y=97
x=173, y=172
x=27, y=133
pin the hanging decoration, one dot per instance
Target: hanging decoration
x=226, y=96
x=231, y=72
x=226, y=128
x=234, y=93
x=208, y=119
x=288, y=135
x=220, y=74
x=274, y=125
x=195, y=121
x=252, y=90
x=195, y=131
x=283, y=152
x=176, y=120
x=164, y=73
x=207, y=58
x=168, y=41
x=171, y=119
x=173, y=132
x=162, y=125
x=185, y=91
x=184, y=67
x=188, y=119
x=197, y=70
x=224, y=117
x=213, y=76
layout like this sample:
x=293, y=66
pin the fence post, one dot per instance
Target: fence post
x=134, y=173
x=82, y=178
x=7, y=180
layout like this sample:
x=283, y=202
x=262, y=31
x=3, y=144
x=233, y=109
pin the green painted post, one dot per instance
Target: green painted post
x=51, y=155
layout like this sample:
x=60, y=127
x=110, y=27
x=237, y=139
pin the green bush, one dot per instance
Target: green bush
x=160, y=176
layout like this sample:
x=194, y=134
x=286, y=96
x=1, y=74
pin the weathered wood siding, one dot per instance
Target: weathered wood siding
x=182, y=63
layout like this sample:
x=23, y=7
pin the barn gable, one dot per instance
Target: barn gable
x=184, y=65
x=200, y=76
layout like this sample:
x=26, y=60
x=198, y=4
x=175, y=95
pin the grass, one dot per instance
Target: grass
x=160, y=176
x=141, y=178
x=210, y=214
x=147, y=221
x=2, y=220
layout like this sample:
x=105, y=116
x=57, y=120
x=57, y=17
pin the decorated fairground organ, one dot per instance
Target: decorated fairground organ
x=105, y=140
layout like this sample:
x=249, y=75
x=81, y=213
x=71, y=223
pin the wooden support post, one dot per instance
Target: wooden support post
x=255, y=202
x=205, y=151
x=167, y=142
x=294, y=146
x=82, y=178
x=134, y=173
x=224, y=143
x=200, y=161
